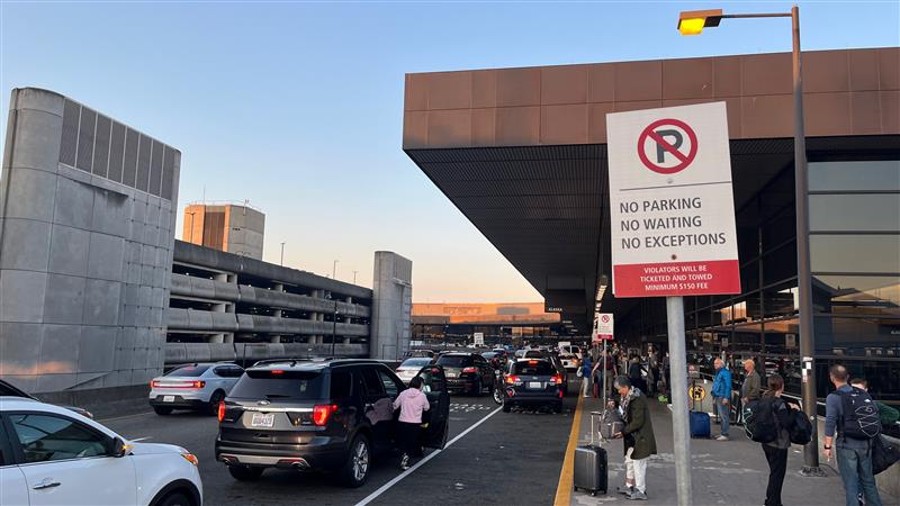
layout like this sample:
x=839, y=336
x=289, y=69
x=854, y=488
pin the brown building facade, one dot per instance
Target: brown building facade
x=522, y=153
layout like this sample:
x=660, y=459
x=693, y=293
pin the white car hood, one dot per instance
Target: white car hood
x=155, y=448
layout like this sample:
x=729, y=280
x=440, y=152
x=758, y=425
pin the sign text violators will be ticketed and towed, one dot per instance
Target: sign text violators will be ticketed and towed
x=671, y=202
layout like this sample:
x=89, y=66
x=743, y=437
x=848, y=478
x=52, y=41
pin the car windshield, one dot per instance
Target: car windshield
x=278, y=384
x=534, y=354
x=534, y=367
x=489, y=355
x=188, y=371
x=411, y=363
x=455, y=361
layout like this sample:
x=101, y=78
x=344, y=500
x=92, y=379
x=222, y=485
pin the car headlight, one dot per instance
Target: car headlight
x=190, y=457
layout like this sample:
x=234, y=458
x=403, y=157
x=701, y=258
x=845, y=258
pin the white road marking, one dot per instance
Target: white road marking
x=384, y=488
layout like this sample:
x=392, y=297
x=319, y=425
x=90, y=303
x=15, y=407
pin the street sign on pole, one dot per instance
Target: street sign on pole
x=673, y=230
x=671, y=203
x=603, y=327
x=479, y=338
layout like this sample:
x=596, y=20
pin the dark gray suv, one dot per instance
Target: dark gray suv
x=328, y=416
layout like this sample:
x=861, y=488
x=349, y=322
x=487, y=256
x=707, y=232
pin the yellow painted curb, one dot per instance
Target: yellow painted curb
x=566, y=476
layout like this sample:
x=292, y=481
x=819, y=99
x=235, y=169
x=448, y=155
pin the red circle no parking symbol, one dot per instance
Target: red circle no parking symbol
x=671, y=144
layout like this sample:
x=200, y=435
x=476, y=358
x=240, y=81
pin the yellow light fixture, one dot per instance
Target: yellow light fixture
x=693, y=22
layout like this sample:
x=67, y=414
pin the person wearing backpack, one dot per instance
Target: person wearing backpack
x=777, y=450
x=851, y=413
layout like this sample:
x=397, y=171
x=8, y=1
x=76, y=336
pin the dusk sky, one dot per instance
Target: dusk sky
x=298, y=106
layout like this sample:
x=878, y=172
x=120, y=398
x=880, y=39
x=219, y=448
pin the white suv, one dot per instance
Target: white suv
x=52, y=456
x=200, y=386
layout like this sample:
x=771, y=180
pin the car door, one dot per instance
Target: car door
x=378, y=407
x=13, y=488
x=434, y=385
x=67, y=462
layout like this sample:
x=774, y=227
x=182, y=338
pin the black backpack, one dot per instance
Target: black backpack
x=759, y=420
x=801, y=430
x=860, y=418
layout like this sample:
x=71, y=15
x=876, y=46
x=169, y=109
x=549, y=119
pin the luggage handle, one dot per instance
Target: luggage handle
x=595, y=414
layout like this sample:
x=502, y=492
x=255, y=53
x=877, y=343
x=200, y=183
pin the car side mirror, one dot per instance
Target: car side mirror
x=120, y=448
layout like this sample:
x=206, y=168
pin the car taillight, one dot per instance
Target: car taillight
x=557, y=379
x=198, y=384
x=512, y=379
x=322, y=413
x=220, y=414
x=154, y=384
x=469, y=370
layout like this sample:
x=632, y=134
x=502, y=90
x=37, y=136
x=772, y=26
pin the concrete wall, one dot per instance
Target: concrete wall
x=391, y=306
x=87, y=211
x=246, y=231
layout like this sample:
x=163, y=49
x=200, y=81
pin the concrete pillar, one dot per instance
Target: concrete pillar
x=391, y=306
x=275, y=339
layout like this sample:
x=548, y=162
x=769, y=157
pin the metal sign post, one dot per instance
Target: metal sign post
x=678, y=391
x=673, y=228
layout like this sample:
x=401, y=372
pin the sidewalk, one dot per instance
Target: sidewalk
x=728, y=473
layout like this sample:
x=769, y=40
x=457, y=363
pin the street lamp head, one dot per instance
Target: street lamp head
x=693, y=22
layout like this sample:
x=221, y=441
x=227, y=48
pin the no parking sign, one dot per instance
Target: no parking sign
x=671, y=202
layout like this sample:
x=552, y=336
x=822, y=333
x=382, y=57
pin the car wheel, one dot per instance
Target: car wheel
x=356, y=470
x=557, y=408
x=175, y=499
x=498, y=395
x=162, y=410
x=506, y=408
x=213, y=406
x=245, y=473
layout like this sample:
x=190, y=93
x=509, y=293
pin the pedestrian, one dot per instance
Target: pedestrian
x=411, y=403
x=886, y=414
x=854, y=456
x=609, y=366
x=721, y=392
x=586, y=369
x=595, y=353
x=750, y=390
x=777, y=451
x=635, y=373
x=639, y=441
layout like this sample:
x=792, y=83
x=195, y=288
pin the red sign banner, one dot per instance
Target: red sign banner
x=678, y=278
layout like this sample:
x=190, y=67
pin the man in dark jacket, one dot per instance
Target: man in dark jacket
x=639, y=441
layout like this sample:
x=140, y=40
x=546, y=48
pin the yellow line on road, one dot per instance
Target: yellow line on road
x=566, y=476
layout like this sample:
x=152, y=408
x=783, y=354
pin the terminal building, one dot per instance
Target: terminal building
x=97, y=297
x=506, y=323
x=522, y=152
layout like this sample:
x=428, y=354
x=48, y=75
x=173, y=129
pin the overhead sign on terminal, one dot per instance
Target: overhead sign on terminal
x=671, y=202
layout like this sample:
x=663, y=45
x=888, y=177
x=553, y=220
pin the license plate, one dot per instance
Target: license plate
x=452, y=374
x=168, y=398
x=262, y=420
x=534, y=385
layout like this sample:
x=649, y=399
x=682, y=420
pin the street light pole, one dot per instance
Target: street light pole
x=692, y=23
x=282, y=253
x=334, y=269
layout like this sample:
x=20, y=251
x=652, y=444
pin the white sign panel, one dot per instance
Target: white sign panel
x=603, y=326
x=671, y=202
x=479, y=338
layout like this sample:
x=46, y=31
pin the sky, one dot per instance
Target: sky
x=297, y=107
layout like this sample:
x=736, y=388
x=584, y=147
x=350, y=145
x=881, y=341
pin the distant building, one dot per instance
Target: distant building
x=499, y=322
x=230, y=228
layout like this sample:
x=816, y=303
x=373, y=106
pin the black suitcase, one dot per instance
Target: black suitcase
x=591, y=462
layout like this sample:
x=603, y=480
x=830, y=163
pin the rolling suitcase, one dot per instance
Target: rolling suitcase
x=591, y=473
x=700, y=423
x=700, y=426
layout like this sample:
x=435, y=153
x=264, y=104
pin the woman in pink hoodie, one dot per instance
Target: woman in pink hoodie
x=412, y=403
